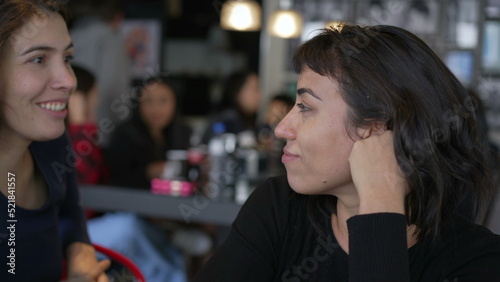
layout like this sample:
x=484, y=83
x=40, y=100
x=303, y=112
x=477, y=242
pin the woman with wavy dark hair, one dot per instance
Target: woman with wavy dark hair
x=385, y=172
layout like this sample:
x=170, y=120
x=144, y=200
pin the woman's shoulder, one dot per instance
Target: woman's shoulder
x=473, y=239
x=463, y=249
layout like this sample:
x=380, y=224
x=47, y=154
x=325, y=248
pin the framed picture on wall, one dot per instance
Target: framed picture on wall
x=142, y=39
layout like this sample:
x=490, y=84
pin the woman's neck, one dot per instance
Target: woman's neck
x=17, y=164
x=156, y=135
x=14, y=153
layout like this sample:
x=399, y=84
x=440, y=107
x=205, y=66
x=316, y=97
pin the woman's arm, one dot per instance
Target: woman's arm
x=81, y=259
x=251, y=249
x=378, y=248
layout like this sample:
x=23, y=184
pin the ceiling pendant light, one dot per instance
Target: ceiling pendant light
x=241, y=15
x=285, y=22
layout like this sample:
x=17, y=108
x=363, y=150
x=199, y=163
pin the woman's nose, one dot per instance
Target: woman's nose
x=284, y=130
x=64, y=78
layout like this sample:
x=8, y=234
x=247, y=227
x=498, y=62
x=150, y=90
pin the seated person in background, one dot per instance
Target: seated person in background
x=238, y=107
x=278, y=106
x=381, y=151
x=137, y=154
x=81, y=123
x=137, y=149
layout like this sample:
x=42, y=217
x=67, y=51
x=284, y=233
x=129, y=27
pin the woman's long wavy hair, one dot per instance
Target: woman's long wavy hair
x=16, y=13
x=388, y=75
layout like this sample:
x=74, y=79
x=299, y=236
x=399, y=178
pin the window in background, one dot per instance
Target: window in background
x=461, y=64
x=491, y=47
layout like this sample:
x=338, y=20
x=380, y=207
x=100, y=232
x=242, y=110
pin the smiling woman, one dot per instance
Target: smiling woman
x=36, y=80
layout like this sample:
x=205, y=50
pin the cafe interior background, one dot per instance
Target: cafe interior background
x=187, y=40
x=198, y=43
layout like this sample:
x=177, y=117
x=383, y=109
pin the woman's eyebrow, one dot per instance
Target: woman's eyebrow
x=44, y=48
x=309, y=91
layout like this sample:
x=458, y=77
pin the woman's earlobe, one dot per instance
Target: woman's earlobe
x=379, y=127
x=364, y=132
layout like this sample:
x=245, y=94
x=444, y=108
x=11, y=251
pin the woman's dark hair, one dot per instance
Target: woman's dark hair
x=175, y=132
x=229, y=100
x=150, y=82
x=162, y=80
x=388, y=75
x=15, y=13
x=85, y=79
x=231, y=88
x=284, y=98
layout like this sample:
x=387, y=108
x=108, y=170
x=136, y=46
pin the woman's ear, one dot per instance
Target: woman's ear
x=374, y=128
x=364, y=132
x=379, y=128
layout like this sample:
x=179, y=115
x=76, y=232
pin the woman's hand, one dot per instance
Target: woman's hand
x=83, y=265
x=375, y=172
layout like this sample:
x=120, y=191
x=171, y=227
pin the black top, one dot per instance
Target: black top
x=131, y=149
x=272, y=239
x=36, y=240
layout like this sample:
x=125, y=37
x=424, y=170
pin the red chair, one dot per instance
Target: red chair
x=122, y=260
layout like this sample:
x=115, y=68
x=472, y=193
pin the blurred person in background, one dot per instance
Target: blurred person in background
x=138, y=147
x=81, y=121
x=278, y=106
x=100, y=49
x=238, y=106
x=136, y=155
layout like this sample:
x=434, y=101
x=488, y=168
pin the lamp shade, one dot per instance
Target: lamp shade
x=241, y=16
x=285, y=24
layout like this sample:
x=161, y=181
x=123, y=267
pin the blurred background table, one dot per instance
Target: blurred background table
x=196, y=209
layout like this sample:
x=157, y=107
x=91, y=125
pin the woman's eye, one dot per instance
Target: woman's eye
x=68, y=58
x=302, y=107
x=39, y=60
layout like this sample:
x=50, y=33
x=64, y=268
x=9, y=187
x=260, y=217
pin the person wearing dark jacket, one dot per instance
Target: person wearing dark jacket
x=137, y=151
x=238, y=107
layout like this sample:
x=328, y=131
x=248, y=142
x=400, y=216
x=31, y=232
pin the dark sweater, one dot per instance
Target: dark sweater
x=131, y=149
x=42, y=235
x=272, y=239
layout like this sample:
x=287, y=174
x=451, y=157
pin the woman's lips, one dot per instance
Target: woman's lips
x=288, y=157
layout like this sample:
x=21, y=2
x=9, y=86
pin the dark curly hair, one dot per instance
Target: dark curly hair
x=388, y=75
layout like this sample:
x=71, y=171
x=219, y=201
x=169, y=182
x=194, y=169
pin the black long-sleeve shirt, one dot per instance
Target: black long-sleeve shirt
x=272, y=239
